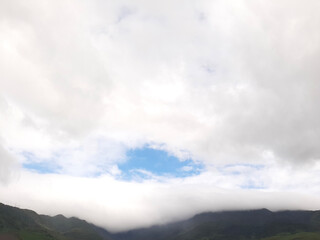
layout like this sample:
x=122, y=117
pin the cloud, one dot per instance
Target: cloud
x=8, y=166
x=224, y=81
x=231, y=85
x=119, y=205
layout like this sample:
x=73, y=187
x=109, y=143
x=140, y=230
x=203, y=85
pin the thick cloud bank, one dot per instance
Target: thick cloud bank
x=118, y=205
x=234, y=85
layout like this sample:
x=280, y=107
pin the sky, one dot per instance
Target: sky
x=134, y=113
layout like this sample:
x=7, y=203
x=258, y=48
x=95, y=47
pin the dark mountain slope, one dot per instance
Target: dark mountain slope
x=21, y=224
x=27, y=224
x=254, y=224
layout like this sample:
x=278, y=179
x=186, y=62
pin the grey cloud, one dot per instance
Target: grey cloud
x=61, y=77
x=81, y=72
x=8, y=166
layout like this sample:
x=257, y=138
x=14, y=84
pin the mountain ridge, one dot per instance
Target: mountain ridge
x=25, y=224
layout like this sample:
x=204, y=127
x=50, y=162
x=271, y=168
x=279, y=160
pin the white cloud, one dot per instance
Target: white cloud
x=222, y=82
x=119, y=205
x=213, y=78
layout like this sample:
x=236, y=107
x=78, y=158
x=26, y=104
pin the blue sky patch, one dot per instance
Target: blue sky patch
x=144, y=161
x=38, y=165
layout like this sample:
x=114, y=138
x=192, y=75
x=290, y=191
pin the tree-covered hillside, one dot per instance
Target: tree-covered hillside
x=28, y=225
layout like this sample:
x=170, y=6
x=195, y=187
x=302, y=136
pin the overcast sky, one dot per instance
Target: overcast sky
x=129, y=113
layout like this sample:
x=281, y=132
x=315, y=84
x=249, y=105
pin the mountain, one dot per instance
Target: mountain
x=254, y=224
x=28, y=225
x=21, y=224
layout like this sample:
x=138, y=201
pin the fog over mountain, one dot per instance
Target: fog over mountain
x=132, y=113
x=258, y=224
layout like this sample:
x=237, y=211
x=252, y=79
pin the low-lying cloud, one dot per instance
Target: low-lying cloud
x=119, y=205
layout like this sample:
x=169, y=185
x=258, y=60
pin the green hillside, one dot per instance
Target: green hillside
x=234, y=225
x=296, y=236
x=28, y=225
